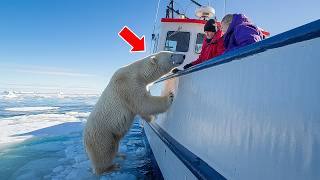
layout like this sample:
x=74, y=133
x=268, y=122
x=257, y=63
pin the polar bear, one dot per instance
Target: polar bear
x=124, y=97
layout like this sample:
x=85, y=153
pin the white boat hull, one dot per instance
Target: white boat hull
x=256, y=117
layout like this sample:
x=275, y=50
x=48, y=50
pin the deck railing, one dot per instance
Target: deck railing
x=299, y=34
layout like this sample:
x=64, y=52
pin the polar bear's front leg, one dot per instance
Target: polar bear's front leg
x=154, y=104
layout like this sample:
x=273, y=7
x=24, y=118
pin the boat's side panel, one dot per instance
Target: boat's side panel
x=254, y=118
x=171, y=167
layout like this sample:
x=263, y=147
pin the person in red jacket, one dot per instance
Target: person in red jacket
x=212, y=45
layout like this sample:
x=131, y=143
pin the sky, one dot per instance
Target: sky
x=73, y=45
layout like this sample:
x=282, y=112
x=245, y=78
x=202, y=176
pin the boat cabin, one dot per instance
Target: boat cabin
x=182, y=35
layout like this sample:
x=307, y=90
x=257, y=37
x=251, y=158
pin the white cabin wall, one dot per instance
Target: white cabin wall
x=193, y=28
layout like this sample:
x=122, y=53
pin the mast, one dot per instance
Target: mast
x=170, y=10
x=171, y=6
x=225, y=6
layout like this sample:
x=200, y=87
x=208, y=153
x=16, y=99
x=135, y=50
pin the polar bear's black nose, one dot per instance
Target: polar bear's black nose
x=177, y=59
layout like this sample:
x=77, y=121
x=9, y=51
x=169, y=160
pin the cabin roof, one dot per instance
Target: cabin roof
x=176, y=20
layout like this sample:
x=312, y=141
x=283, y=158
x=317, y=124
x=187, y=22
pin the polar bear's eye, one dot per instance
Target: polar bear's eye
x=153, y=60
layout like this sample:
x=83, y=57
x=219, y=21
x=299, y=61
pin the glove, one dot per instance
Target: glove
x=187, y=66
x=175, y=70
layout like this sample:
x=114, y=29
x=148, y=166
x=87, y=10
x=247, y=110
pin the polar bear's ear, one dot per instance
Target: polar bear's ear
x=153, y=60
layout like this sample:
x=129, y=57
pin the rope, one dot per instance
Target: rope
x=154, y=24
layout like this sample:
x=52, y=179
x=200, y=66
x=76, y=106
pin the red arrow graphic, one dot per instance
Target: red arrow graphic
x=138, y=45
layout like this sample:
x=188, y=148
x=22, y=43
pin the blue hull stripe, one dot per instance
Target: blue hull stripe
x=299, y=34
x=196, y=165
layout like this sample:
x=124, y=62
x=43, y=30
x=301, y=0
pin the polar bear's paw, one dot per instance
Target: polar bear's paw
x=170, y=98
x=113, y=167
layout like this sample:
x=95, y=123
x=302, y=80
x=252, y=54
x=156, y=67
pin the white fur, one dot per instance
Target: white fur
x=124, y=98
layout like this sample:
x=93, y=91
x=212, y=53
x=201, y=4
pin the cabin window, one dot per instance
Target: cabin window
x=177, y=41
x=199, y=41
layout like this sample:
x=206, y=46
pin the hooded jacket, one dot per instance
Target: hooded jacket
x=241, y=32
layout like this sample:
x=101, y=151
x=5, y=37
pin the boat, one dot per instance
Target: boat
x=251, y=113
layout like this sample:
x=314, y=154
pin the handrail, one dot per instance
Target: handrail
x=299, y=34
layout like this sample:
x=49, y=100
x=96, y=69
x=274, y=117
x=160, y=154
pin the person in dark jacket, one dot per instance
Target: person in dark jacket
x=239, y=31
x=212, y=45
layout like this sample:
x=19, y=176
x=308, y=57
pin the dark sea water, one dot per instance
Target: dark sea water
x=41, y=138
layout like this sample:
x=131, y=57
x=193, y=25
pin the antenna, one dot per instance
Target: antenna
x=196, y=3
x=225, y=6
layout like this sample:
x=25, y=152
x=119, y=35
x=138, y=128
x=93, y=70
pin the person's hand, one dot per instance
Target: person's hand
x=175, y=70
x=187, y=66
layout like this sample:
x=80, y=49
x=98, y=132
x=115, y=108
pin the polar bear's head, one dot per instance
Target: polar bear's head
x=161, y=63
